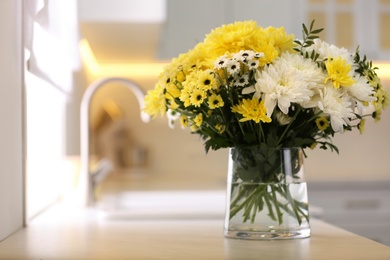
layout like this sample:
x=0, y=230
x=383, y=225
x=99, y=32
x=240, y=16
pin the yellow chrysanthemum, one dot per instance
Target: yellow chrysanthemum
x=155, y=102
x=339, y=72
x=197, y=97
x=322, y=123
x=266, y=45
x=281, y=41
x=231, y=38
x=251, y=109
x=215, y=101
x=198, y=120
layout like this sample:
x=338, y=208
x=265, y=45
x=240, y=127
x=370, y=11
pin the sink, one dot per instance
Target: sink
x=160, y=205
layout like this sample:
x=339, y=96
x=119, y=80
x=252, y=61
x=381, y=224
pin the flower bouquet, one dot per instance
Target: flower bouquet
x=246, y=86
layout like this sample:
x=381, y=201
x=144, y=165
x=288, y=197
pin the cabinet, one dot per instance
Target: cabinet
x=189, y=21
x=347, y=23
x=360, y=207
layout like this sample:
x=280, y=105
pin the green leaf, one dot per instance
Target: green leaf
x=305, y=29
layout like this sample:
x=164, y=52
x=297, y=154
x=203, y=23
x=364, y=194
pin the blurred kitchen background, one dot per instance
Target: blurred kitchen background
x=68, y=45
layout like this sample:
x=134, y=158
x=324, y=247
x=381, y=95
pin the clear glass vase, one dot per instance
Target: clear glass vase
x=266, y=194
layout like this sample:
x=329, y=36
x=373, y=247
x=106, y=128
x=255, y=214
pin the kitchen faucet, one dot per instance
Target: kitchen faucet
x=88, y=179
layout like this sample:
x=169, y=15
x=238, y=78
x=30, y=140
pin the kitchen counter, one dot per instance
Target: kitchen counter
x=64, y=232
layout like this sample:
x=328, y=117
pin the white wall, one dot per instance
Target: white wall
x=52, y=42
x=11, y=115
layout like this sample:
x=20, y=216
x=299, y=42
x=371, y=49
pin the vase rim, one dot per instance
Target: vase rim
x=268, y=147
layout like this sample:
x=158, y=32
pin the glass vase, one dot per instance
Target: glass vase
x=266, y=194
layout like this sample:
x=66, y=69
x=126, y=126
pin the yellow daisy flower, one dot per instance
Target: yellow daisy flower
x=172, y=91
x=198, y=120
x=206, y=80
x=322, y=123
x=215, y=101
x=197, y=97
x=184, y=121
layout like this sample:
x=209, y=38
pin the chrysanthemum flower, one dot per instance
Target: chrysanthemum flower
x=172, y=91
x=241, y=80
x=322, y=123
x=155, y=102
x=233, y=67
x=338, y=106
x=280, y=85
x=215, y=101
x=361, y=90
x=361, y=125
x=231, y=38
x=252, y=109
x=325, y=50
x=281, y=41
x=197, y=97
x=220, y=128
x=244, y=55
x=253, y=64
x=183, y=121
x=198, y=120
x=339, y=72
x=172, y=117
x=206, y=80
x=221, y=62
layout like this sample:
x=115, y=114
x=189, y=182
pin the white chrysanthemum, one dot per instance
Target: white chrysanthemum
x=360, y=92
x=326, y=50
x=307, y=68
x=337, y=105
x=280, y=85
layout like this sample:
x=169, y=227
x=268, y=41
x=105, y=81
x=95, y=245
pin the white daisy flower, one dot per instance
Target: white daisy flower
x=244, y=55
x=253, y=64
x=233, y=67
x=221, y=62
x=242, y=80
x=172, y=117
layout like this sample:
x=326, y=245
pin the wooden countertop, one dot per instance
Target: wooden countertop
x=64, y=232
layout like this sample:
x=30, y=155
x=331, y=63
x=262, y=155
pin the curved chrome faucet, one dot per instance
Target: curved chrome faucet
x=88, y=180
